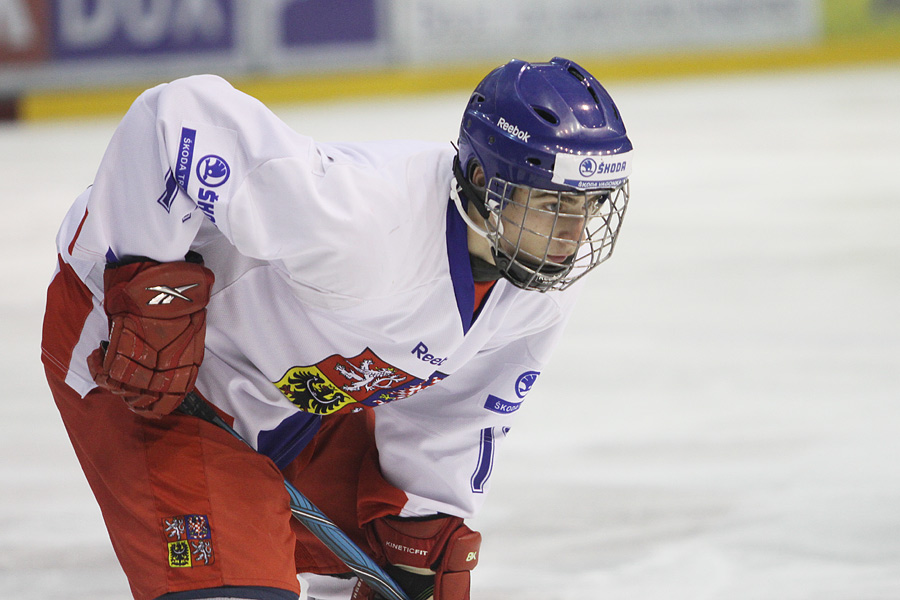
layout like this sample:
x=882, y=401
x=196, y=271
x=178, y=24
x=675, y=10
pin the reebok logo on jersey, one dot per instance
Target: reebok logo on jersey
x=421, y=352
x=513, y=130
x=167, y=294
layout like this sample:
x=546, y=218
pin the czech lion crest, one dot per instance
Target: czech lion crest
x=335, y=382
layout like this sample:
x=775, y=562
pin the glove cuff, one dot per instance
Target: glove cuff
x=443, y=546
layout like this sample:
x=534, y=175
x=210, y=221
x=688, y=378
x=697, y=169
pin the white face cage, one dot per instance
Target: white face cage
x=547, y=240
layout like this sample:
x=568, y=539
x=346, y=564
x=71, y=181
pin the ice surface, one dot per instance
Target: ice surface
x=722, y=421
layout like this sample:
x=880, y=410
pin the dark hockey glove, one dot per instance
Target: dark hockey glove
x=428, y=558
x=157, y=331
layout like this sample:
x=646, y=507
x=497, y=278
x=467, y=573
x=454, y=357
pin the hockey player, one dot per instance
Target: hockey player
x=297, y=286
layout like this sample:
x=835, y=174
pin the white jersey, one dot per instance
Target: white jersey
x=342, y=280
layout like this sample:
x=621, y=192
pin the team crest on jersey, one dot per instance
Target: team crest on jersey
x=417, y=385
x=335, y=382
x=188, y=541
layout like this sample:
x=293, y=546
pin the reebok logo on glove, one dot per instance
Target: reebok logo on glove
x=167, y=294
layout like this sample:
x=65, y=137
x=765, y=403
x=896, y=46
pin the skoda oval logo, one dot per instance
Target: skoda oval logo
x=213, y=171
x=587, y=167
x=524, y=382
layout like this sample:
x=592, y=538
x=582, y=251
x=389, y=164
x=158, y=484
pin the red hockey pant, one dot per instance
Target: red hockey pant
x=187, y=505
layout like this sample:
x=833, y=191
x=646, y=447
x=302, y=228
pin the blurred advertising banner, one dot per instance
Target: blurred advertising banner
x=53, y=44
x=323, y=35
x=24, y=31
x=538, y=29
x=57, y=43
x=117, y=28
x=311, y=22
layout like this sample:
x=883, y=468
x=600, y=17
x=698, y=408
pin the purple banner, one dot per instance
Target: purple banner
x=110, y=28
x=315, y=22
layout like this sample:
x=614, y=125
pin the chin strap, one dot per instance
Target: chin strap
x=460, y=193
x=467, y=190
x=461, y=209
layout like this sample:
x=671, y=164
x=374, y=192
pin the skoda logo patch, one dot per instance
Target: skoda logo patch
x=587, y=167
x=524, y=382
x=212, y=170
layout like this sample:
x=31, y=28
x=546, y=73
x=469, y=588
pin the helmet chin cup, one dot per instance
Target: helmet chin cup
x=535, y=278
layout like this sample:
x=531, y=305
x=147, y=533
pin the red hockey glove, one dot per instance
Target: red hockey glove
x=157, y=330
x=428, y=558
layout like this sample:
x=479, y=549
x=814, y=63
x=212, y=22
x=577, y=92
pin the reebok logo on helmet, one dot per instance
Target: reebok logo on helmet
x=513, y=130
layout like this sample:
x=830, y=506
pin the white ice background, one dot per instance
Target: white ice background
x=722, y=420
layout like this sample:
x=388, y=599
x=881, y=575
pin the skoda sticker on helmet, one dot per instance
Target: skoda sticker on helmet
x=588, y=172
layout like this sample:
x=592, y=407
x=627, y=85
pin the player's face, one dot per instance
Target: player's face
x=542, y=226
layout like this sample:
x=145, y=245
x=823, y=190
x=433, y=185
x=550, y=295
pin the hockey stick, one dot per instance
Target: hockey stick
x=313, y=518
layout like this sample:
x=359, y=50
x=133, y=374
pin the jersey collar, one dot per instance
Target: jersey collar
x=460, y=268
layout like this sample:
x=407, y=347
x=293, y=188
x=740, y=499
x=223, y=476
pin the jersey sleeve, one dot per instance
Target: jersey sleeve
x=440, y=446
x=197, y=150
x=179, y=156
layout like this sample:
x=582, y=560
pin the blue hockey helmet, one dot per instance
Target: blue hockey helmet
x=549, y=127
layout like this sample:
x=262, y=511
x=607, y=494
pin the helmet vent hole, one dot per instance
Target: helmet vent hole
x=576, y=73
x=546, y=115
x=581, y=77
x=535, y=162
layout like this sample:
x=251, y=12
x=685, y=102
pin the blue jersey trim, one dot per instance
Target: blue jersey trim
x=485, y=461
x=460, y=267
x=284, y=443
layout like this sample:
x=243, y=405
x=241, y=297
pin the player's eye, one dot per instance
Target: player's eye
x=594, y=203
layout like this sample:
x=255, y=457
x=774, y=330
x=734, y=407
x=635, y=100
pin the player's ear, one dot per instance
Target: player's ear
x=476, y=176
